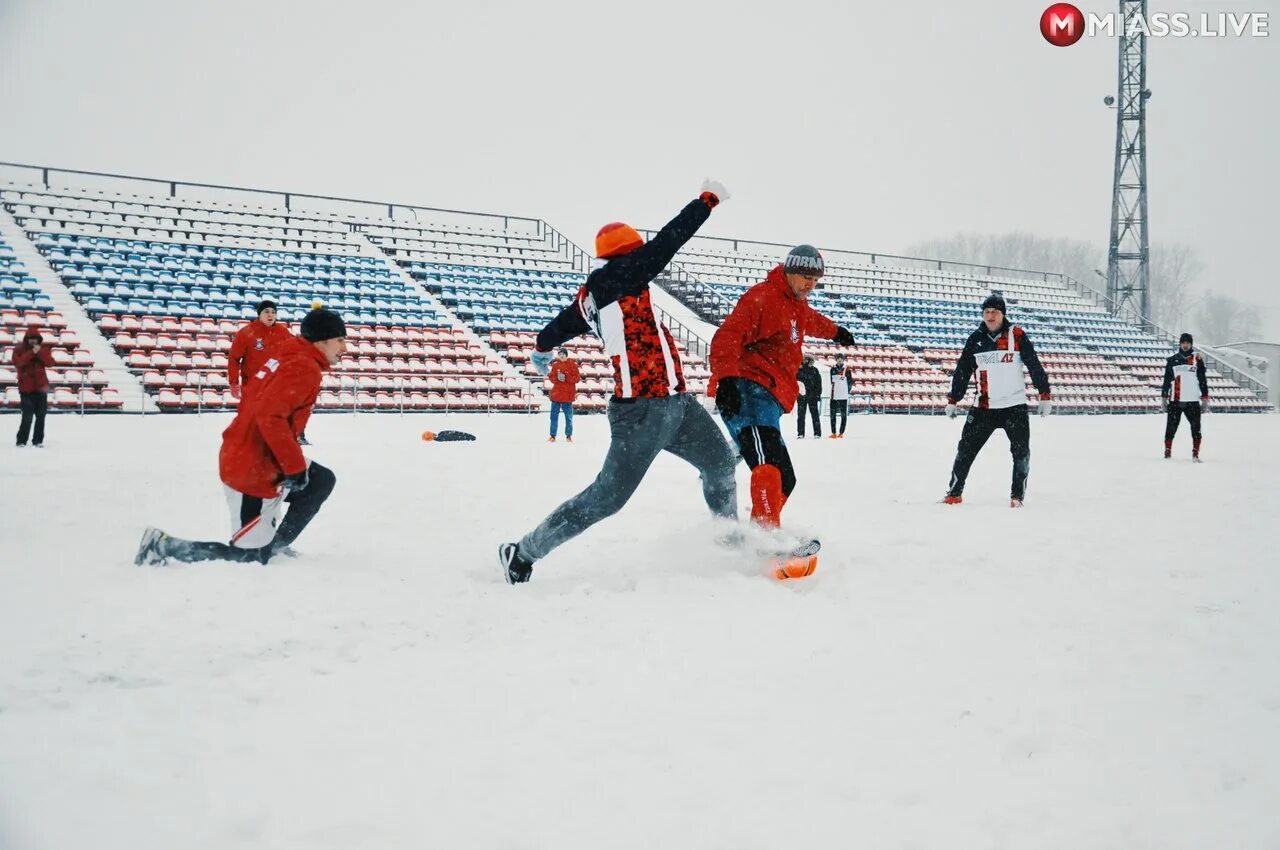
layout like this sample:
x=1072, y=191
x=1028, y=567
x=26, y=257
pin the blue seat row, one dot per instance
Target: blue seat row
x=68, y=241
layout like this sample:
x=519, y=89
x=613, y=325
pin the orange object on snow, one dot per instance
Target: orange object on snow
x=794, y=567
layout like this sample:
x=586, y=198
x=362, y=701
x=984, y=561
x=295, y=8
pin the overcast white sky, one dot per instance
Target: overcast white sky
x=840, y=123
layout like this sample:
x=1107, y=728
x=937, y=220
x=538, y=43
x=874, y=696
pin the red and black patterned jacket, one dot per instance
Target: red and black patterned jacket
x=615, y=304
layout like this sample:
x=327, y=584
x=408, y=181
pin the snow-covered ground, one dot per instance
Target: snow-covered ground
x=1098, y=670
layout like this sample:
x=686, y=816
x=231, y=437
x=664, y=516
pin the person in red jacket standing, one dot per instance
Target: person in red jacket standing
x=754, y=358
x=31, y=357
x=261, y=464
x=252, y=346
x=564, y=379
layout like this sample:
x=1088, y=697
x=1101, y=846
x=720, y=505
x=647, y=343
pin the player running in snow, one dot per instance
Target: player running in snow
x=261, y=464
x=1183, y=371
x=650, y=410
x=754, y=357
x=997, y=351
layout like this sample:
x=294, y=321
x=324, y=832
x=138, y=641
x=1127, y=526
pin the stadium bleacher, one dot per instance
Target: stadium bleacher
x=443, y=307
x=1096, y=362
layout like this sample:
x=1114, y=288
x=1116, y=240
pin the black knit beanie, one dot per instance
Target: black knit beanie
x=322, y=324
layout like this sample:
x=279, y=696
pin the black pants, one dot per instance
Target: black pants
x=840, y=406
x=1191, y=409
x=809, y=403
x=34, y=406
x=978, y=428
x=303, y=507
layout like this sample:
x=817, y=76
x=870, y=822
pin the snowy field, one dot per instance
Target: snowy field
x=1098, y=670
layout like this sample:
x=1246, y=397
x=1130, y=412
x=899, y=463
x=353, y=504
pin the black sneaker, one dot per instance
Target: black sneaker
x=516, y=568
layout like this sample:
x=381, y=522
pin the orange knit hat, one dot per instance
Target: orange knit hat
x=616, y=239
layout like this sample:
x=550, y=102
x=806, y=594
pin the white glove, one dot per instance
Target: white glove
x=716, y=188
x=541, y=361
x=952, y=410
x=1204, y=405
x=1045, y=408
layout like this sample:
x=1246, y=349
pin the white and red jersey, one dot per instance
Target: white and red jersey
x=615, y=303
x=1184, y=378
x=996, y=361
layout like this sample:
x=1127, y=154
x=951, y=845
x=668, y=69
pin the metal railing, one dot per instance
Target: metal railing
x=287, y=199
x=1128, y=313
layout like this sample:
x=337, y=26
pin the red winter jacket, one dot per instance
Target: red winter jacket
x=260, y=447
x=564, y=381
x=761, y=339
x=31, y=365
x=251, y=347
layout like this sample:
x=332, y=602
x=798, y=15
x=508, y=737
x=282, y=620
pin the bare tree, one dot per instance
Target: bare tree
x=1220, y=319
x=1072, y=257
x=1174, y=268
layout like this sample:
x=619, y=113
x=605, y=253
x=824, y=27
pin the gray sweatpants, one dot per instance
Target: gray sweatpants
x=640, y=429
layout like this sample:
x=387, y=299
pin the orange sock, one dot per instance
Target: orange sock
x=766, y=495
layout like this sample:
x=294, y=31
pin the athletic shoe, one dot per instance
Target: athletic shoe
x=1015, y=503
x=800, y=562
x=568, y=439
x=303, y=441
x=1196, y=459
x=952, y=500
x=516, y=568
x=551, y=439
x=38, y=445
x=20, y=445
x=834, y=437
x=798, y=437
x=1168, y=448
x=151, y=549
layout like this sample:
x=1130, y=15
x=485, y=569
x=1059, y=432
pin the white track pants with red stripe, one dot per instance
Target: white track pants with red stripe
x=253, y=520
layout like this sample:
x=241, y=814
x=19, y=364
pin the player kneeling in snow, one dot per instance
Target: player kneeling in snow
x=754, y=359
x=261, y=465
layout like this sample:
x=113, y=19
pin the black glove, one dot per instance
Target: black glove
x=295, y=483
x=843, y=337
x=729, y=397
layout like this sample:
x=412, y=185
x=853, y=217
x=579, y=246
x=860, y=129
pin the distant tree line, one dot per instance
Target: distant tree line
x=1175, y=270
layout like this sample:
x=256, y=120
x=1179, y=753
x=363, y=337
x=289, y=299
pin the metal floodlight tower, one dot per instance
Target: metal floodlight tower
x=1128, y=259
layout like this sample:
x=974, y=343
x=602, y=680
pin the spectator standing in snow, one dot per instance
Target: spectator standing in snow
x=31, y=357
x=841, y=384
x=564, y=379
x=810, y=381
